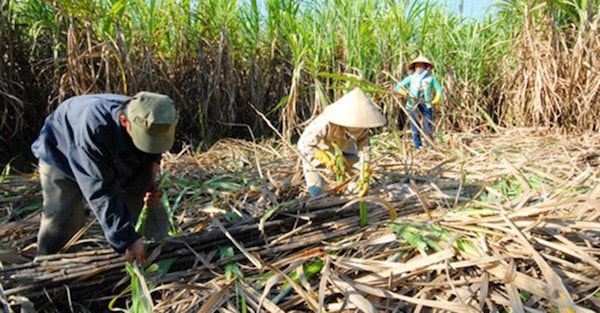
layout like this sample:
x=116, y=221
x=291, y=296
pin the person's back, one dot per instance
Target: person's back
x=78, y=125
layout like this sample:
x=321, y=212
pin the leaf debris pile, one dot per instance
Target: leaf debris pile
x=481, y=223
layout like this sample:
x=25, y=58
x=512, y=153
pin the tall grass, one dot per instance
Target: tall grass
x=534, y=63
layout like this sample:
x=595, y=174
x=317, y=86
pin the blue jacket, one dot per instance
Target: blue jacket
x=84, y=139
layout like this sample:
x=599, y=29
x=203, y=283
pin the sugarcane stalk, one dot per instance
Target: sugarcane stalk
x=141, y=221
x=102, y=269
x=141, y=299
x=85, y=282
x=339, y=166
x=363, y=187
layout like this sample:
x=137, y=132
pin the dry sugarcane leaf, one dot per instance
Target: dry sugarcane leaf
x=553, y=279
x=325, y=274
x=380, y=277
x=352, y=294
x=301, y=292
x=214, y=301
x=514, y=298
x=570, y=248
x=523, y=282
x=254, y=259
x=484, y=289
x=442, y=305
x=257, y=299
x=560, y=202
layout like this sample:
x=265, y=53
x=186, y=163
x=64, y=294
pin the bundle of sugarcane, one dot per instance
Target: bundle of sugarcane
x=300, y=224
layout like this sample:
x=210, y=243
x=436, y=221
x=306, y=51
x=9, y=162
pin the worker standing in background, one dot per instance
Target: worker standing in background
x=343, y=127
x=423, y=92
x=104, y=149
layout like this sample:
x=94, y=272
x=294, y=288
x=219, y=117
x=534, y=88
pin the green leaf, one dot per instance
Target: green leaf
x=231, y=269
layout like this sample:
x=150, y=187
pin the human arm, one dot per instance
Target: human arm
x=309, y=146
x=402, y=87
x=311, y=138
x=92, y=160
x=154, y=193
x=438, y=91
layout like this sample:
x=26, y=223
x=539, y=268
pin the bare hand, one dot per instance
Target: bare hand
x=154, y=193
x=135, y=251
x=152, y=197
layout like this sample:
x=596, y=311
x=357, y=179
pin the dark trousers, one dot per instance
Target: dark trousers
x=63, y=212
x=426, y=125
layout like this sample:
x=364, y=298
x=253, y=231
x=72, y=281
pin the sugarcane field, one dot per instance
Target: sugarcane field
x=300, y=156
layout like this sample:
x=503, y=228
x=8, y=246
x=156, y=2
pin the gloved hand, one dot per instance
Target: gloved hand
x=324, y=158
x=437, y=100
x=403, y=92
x=364, y=189
x=366, y=171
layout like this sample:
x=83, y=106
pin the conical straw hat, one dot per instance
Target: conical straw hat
x=419, y=59
x=354, y=109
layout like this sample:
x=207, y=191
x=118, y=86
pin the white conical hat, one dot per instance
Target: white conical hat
x=419, y=59
x=354, y=109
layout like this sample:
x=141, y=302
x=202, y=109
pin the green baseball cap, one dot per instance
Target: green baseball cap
x=153, y=119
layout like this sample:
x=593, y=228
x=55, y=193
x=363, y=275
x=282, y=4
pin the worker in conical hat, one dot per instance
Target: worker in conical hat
x=423, y=61
x=342, y=128
x=423, y=92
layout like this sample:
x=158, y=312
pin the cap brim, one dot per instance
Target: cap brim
x=153, y=143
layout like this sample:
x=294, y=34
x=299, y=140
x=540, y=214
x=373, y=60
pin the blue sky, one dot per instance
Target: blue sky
x=472, y=8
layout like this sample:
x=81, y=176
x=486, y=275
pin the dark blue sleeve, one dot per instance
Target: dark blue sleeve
x=91, y=162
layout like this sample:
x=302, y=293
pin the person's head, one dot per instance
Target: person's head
x=354, y=111
x=420, y=64
x=420, y=67
x=150, y=119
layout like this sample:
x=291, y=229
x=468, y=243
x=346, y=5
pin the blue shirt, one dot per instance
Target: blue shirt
x=84, y=139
